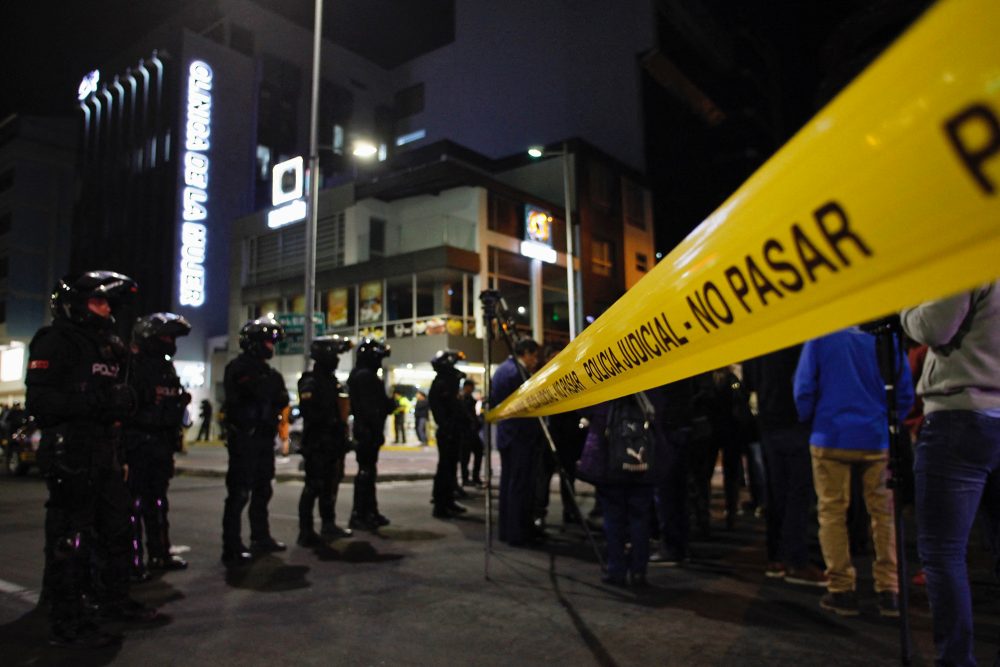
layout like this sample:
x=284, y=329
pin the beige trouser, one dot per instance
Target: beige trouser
x=832, y=479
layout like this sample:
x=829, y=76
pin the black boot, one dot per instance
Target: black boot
x=268, y=545
x=168, y=562
x=308, y=539
x=81, y=634
x=236, y=554
x=332, y=531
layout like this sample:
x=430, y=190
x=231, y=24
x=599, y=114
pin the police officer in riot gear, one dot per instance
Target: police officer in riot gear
x=324, y=439
x=452, y=425
x=76, y=392
x=255, y=397
x=152, y=436
x=370, y=407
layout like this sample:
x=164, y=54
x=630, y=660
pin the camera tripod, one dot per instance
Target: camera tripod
x=495, y=311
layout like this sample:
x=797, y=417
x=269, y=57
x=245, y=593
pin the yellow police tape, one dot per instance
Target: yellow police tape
x=887, y=198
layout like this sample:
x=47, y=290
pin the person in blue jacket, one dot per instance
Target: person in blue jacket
x=519, y=442
x=839, y=389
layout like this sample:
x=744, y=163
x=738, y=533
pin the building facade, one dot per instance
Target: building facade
x=405, y=254
x=36, y=207
x=181, y=133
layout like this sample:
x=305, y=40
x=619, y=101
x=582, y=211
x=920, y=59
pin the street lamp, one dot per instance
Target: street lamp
x=538, y=152
x=364, y=149
x=311, y=222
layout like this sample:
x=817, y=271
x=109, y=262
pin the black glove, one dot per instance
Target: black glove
x=112, y=348
x=118, y=401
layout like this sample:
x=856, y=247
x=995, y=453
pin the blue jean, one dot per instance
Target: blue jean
x=790, y=493
x=517, y=492
x=956, y=466
x=626, y=519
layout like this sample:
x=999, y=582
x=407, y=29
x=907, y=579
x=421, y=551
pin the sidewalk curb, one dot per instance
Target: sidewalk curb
x=298, y=476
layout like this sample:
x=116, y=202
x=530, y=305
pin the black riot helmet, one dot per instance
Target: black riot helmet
x=157, y=333
x=326, y=350
x=445, y=360
x=371, y=352
x=70, y=295
x=256, y=333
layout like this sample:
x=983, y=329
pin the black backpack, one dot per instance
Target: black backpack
x=629, y=434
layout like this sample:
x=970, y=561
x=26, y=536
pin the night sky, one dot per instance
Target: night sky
x=767, y=64
x=46, y=46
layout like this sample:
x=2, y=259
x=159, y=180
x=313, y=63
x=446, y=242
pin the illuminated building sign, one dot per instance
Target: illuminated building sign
x=537, y=225
x=287, y=187
x=190, y=373
x=287, y=214
x=88, y=85
x=538, y=235
x=194, y=197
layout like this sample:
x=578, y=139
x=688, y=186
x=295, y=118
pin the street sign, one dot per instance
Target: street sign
x=294, y=324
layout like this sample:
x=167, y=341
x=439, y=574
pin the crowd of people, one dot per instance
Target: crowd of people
x=806, y=431
x=801, y=428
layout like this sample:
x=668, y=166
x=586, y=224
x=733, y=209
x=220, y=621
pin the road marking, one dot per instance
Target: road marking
x=19, y=592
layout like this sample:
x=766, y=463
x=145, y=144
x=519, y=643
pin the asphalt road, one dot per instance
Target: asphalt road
x=416, y=594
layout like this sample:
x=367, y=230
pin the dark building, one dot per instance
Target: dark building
x=36, y=204
x=182, y=130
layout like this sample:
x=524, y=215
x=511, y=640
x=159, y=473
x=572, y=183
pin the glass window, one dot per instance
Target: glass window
x=429, y=301
x=370, y=302
x=555, y=310
x=505, y=215
x=263, y=163
x=338, y=138
x=554, y=276
x=512, y=265
x=634, y=204
x=399, y=298
x=451, y=292
x=602, y=257
x=599, y=183
x=470, y=296
x=376, y=237
x=518, y=298
x=641, y=262
x=409, y=101
x=339, y=306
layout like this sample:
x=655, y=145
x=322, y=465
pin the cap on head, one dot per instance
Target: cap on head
x=69, y=297
x=255, y=335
